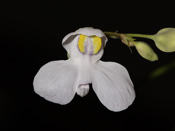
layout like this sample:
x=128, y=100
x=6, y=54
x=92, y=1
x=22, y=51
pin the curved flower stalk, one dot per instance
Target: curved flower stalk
x=164, y=40
x=59, y=81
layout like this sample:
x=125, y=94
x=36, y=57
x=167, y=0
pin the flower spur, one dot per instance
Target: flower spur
x=59, y=81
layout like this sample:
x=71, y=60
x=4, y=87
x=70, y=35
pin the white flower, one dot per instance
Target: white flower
x=59, y=81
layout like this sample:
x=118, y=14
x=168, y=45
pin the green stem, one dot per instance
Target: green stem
x=113, y=34
x=141, y=36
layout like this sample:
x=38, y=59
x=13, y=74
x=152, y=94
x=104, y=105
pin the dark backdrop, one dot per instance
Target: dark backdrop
x=30, y=36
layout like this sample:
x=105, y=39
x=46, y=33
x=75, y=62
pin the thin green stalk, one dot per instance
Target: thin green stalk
x=113, y=34
x=141, y=36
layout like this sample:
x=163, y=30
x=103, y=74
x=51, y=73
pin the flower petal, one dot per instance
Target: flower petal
x=113, y=86
x=88, y=31
x=76, y=55
x=83, y=90
x=56, y=81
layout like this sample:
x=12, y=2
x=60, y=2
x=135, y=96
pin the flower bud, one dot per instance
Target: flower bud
x=145, y=51
x=165, y=39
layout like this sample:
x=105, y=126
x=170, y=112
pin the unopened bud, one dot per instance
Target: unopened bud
x=165, y=39
x=145, y=51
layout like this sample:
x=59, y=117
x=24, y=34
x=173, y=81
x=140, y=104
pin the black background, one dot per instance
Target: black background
x=30, y=36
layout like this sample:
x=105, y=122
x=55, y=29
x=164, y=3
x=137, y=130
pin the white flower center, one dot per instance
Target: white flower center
x=83, y=89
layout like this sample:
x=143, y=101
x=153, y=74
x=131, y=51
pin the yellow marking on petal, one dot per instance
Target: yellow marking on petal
x=81, y=43
x=96, y=44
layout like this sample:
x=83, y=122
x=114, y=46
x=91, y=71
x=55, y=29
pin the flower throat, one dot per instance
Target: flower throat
x=89, y=44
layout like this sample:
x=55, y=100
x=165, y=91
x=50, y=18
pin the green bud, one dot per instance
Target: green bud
x=165, y=39
x=145, y=51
